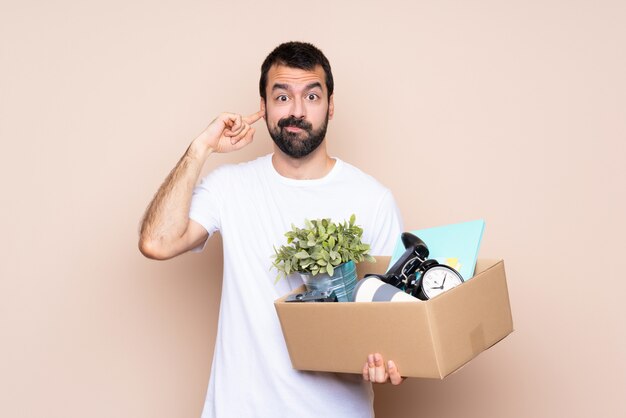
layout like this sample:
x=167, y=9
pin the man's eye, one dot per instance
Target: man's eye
x=282, y=98
x=312, y=96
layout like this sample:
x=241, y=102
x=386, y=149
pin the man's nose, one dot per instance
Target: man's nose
x=297, y=109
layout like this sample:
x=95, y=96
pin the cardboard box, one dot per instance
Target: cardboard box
x=429, y=339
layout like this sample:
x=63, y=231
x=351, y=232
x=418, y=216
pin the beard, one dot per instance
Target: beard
x=297, y=144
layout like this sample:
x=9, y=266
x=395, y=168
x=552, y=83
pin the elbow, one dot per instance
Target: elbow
x=152, y=250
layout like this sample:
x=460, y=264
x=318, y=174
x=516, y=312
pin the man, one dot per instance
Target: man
x=252, y=205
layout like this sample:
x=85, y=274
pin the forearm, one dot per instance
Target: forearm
x=167, y=218
x=166, y=230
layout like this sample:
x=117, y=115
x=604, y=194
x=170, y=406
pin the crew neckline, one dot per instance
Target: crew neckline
x=305, y=182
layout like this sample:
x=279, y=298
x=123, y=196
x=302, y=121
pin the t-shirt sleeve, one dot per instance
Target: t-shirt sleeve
x=205, y=205
x=387, y=226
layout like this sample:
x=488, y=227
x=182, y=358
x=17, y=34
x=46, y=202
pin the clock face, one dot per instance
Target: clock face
x=438, y=279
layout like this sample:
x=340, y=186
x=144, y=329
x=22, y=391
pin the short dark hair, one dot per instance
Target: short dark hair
x=296, y=55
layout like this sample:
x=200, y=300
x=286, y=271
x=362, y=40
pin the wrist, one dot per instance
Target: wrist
x=199, y=149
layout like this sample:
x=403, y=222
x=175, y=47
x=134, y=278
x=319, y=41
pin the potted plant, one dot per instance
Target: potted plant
x=324, y=253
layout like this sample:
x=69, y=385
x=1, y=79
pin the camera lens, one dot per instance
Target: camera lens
x=299, y=296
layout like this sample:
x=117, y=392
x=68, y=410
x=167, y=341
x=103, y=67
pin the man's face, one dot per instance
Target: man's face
x=297, y=109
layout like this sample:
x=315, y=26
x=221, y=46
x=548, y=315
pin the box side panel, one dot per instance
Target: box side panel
x=470, y=318
x=339, y=336
x=379, y=267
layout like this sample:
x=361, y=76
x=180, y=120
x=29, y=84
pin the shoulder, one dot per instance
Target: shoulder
x=366, y=191
x=353, y=174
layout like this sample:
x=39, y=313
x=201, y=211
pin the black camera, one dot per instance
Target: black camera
x=313, y=296
x=403, y=274
x=416, y=274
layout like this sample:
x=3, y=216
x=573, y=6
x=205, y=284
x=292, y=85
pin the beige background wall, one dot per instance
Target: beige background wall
x=511, y=111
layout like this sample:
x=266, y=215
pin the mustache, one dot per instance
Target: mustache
x=295, y=122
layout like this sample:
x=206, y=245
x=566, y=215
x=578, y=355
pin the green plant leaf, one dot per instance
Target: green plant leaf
x=330, y=269
x=302, y=254
x=325, y=255
x=277, y=279
x=320, y=246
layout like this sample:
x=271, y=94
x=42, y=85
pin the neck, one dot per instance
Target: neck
x=314, y=166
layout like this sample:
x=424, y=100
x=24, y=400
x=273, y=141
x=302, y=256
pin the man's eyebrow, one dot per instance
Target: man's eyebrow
x=283, y=86
x=280, y=86
x=313, y=85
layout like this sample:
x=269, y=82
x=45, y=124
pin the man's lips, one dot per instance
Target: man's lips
x=294, y=125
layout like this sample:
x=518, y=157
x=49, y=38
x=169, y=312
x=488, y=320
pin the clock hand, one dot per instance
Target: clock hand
x=442, y=283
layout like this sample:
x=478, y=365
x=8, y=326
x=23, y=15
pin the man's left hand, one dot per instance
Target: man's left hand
x=376, y=371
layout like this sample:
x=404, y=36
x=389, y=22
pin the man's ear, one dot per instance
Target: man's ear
x=263, y=106
x=331, y=106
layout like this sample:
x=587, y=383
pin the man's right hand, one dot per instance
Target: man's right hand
x=228, y=132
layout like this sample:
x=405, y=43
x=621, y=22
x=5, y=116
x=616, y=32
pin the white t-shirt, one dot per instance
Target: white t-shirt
x=253, y=206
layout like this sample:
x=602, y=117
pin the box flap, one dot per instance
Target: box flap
x=379, y=267
x=483, y=264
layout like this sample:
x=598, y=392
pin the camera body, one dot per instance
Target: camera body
x=404, y=274
x=313, y=296
x=416, y=274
